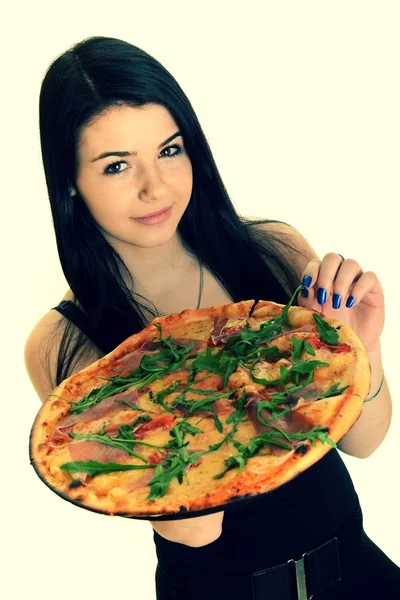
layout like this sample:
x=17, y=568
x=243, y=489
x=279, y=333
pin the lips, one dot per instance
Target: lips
x=154, y=214
x=154, y=218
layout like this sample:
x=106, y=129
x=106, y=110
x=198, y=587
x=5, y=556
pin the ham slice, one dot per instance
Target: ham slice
x=150, y=346
x=86, y=450
x=219, y=324
x=306, y=395
x=292, y=422
x=140, y=482
x=219, y=335
x=105, y=407
x=127, y=364
x=309, y=328
x=222, y=406
x=130, y=362
x=148, y=474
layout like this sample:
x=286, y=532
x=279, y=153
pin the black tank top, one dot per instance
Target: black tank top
x=269, y=529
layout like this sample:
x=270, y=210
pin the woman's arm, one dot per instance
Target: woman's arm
x=194, y=532
x=370, y=429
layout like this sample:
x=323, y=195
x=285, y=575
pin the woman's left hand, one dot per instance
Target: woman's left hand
x=334, y=279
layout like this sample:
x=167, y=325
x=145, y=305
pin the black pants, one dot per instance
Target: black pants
x=370, y=576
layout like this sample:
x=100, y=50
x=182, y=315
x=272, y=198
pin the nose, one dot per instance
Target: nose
x=153, y=186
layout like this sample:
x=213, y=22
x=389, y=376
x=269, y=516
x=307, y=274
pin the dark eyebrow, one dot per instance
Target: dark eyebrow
x=126, y=153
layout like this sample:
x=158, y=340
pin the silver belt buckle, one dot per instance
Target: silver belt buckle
x=300, y=578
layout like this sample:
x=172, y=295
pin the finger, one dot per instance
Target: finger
x=353, y=292
x=306, y=297
x=322, y=275
x=346, y=277
x=335, y=280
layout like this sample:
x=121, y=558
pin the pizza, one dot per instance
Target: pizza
x=202, y=409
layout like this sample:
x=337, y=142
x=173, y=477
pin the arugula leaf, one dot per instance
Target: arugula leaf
x=271, y=352
x=201, y=391
x=246, y=453
x=96, y=468
x=218, y=423
x=132, y=406
x=285, y=313
x=218, y=362
x=298, y=349
x=269, y=438
x=245, y=343
x=237, y=460
x=316, y=433
x=178, y=459
x=149, y=369
x=175, y=466
x=229, y=367
x=196, y=404
x=307, y=366
x=308, y=348
x=327, y=333
x=286, y=374
x=177, y=350
x=163, y=393
x=211, y=362
x=275, y=414
x=235, y=417
x=104, y=439
x=179, y=432
x=240, y=410
x=176, y=462
x=332, y=391
x=128, y=429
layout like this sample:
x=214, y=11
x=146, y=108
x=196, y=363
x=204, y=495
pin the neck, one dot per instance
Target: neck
x=155, y=270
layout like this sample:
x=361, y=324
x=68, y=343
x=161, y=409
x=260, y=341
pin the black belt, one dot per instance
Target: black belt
x=310, y=574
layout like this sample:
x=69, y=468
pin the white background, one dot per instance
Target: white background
x=300, y=104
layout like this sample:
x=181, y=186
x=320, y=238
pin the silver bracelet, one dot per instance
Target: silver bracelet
x=376, y=393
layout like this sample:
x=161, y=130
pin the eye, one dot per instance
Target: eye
x=112, y=166
x=178, y=149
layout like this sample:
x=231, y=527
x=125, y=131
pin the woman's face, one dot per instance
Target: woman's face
x=144, y=172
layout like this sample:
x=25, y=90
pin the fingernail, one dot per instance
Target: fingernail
x=304, y=293
x=321, y=295
x=350, y=301
x=337, y=298
x=307, y=279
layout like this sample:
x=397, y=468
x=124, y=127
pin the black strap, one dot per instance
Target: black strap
x=74, y=314
x=317, y=569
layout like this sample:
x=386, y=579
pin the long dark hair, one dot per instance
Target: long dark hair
x=94, y=75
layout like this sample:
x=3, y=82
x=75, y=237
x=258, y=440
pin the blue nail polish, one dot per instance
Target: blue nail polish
x=321, y=295
x=304, y=293
x=350, y=301
x=307, y=279
x=337, y=298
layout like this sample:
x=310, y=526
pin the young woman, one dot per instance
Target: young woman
x=145, y=227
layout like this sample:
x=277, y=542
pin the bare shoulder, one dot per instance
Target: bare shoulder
x=287, y=235
x=41, y=352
